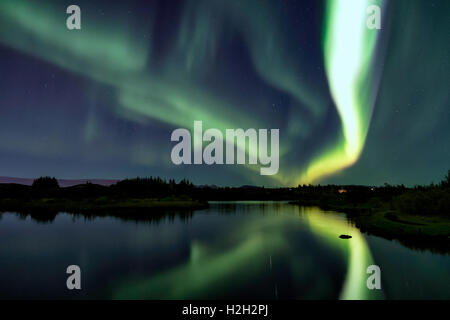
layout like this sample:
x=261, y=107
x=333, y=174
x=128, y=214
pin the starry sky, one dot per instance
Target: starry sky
x=353, y=105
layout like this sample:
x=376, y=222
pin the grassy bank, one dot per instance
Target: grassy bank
x=102, y=205
x=418, y=231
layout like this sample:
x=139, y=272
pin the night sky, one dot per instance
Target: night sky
x=353, y=105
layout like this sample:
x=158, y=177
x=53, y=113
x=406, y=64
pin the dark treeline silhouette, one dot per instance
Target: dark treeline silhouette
x=133, y=198
x=433, y=199
x=48, y=187
x=426, y=200
x=151, y=187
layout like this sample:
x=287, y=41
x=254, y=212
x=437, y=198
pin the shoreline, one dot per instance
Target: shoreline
x=416, y=231
x=99, y=206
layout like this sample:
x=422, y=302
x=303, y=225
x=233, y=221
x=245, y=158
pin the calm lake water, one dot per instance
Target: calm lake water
x=250, y=250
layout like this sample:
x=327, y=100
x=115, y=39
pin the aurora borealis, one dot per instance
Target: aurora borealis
x=348, y=49
x=353, y=105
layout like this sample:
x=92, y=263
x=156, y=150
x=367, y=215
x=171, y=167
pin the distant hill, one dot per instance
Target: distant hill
x=62, y=182
x=207, y=186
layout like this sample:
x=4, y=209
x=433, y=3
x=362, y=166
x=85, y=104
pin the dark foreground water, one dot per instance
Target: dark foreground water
x=231, y=250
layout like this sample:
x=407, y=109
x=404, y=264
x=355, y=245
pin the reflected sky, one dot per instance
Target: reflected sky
x=232, y=250
x=268, y=235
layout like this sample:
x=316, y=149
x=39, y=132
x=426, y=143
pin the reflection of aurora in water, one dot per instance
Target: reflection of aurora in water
x=230, y=251
x=329, y=227
x=211, y=267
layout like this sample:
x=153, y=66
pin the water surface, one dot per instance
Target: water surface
x=252, y=250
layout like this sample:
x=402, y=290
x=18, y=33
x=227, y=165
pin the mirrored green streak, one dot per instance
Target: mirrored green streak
x=210, y=266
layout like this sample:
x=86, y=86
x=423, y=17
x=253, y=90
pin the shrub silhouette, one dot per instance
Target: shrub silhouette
x=45, y=187
x=45, y=183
